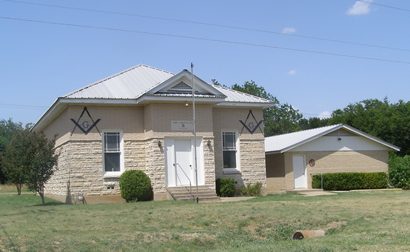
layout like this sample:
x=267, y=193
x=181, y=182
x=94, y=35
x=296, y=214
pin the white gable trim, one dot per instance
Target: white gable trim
x=337, y=127
x=310, y=139
x=184, y=74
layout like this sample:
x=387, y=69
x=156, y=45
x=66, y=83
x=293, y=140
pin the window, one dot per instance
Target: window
x=229, y=148
x=112, y=152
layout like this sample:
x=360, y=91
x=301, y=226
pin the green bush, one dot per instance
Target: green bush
x=350, y=181
x=316, y=182
x=135, y=186
x=225, y=187
x=252, y=189
x=399, y=171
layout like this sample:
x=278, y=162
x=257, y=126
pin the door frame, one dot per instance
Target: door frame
x=169, y=145
x=305, y=171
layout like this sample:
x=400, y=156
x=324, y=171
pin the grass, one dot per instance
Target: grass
x=367, y=221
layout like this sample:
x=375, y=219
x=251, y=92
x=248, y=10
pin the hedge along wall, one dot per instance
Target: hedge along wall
x=350, y=181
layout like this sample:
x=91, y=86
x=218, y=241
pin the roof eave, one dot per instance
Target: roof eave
x=47, y=116
x=153, y=98
x=263, y=105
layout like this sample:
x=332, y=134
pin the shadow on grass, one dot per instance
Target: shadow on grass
x=51, y=203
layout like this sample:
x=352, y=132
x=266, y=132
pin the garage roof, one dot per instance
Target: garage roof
x=286, y=142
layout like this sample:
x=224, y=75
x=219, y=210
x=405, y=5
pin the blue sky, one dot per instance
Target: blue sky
x=40, y=62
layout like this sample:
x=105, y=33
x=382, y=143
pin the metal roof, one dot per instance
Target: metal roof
x=129, y=84
x=236, y=96
x=286, y=142
x=144, y=83
x=139, y=80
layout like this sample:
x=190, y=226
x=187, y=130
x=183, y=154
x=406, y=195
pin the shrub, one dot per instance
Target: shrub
x=350, y=181
x=399, y=171
x=225, y=187
x=316, y=181
x=406, y=186
x=135, y=186
x=252, y=189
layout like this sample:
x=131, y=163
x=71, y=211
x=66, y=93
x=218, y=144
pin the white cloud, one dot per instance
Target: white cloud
x=288, y=30
x=292, y=72
x=324, y=115
x=360, y=7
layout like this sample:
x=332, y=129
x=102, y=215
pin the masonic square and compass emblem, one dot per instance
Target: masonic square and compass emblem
x=85, y=122
x=251, y=124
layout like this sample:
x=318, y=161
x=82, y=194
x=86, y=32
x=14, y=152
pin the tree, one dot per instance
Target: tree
x=278, y=119
x=14, y=159
x=313, y=122
x=7, y=129
x=43, y=161
x=388, y=121
x=29, y=158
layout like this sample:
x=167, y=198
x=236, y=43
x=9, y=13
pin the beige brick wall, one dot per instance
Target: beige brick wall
x=346, y=161
x=275, y=185
x=275, y=173
x=340, y=161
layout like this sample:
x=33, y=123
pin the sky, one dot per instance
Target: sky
x=316, y=55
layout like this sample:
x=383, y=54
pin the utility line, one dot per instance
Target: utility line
x=22, y=105
x=232, y=27
x=232, y=42
x=385, y=6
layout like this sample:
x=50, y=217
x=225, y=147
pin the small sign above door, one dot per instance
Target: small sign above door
x=182, y=126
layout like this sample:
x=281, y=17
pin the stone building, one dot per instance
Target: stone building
x=142, y=118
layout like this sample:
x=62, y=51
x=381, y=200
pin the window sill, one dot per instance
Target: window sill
x=231, y=171
x=112, y=174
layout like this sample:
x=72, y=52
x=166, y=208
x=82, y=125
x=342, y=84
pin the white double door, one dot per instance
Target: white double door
x=180, y=161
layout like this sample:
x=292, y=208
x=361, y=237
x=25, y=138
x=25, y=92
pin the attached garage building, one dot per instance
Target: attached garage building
x=292, y=159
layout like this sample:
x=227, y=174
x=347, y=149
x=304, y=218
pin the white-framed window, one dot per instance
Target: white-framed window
x=113, y=152
x=230, y=151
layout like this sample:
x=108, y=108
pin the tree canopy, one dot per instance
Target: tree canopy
x=29, y=159
x=278, y=119
x=388, y=121
x=7, y=130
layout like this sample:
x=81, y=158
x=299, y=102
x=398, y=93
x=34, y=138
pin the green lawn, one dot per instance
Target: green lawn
x=368, y=221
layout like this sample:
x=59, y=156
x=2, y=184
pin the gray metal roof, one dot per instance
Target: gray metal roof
x=143, y=83
x=139, y=80
x=286, y=142
x=236, y=96
x=129, y=84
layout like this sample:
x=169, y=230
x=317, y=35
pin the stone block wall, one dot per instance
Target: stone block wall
x=209, y=162
x=155, y=164
x=253, y=167
x=58, y=181
x=252, y=162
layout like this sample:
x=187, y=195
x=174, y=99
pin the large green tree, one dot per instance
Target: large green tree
x=380, y=118
x=7, y=129
x=388, y=121
x=29, y=158
x=15, y=160
x=278, y=119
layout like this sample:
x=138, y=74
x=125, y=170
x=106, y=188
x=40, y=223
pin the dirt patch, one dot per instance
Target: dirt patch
x=316, y=193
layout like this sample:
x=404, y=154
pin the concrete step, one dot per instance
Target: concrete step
x=183, y=193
